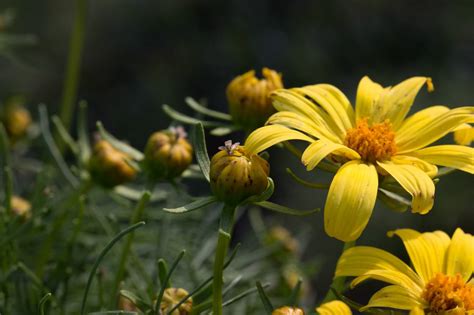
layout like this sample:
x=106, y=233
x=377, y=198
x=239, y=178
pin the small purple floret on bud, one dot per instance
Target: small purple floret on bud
x=229, y=147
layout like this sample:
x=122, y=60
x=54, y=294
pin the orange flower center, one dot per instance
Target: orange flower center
x=373, y=143
x=444, y=293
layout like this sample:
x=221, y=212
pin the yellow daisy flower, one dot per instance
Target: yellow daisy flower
x=438, y=283
x=374, y=139
x=334, y=308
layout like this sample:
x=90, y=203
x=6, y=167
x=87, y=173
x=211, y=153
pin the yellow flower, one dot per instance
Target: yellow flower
x=287, y=310
x=438, y=282
x=334, y=308
x=374, y=139
x=171, y=297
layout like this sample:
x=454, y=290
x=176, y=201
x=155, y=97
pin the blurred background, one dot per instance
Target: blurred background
x=142, y=54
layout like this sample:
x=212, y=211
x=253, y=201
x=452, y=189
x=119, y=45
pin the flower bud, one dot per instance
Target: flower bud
x=16, y=118
x=108, y=166
x=249, y=98
x=171, y=297
x=287, y=310
x=168, y=153
x=21, y=208
x=235, y=175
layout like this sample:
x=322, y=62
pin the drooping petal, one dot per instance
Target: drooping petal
x=290, y=100
x=319, y=149
x=302, y=123
x=394, y=296
x=264, y=137
x=430, y=169
x=396, y=102
x=426, y=250
x=460, y=255
x=416, y=182
x=455, y=156
x=430, y=130
x=334, y=308
x=350, y=200
x=464, y=135
x=331, y=105
x=368, y=96
x=360, y=261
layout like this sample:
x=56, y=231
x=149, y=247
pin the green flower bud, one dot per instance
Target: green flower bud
x=168, y=153
x=249, y=98
x=288, y=310
x=235, y=175
x=16, y=118
x=21, y=207
x=109, y=167
x=171, y=297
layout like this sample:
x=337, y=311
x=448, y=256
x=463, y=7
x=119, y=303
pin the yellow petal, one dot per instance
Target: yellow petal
x=334, y=308
x=419, y=185
x=302, y=123
x=397, y=101
x=393, y=296
x=417, y=311
x=430, y=130
x=350, y=201
x=464, y=136
x=368, y=95
x=264, y=137
x=319, y=149
x=455, y=156
x=370, y=262
x=330, y=104
x=420, y=118
x=460, y=255
x=430, y=169
x=426, y=251
x=290, y=100
x=345, y=103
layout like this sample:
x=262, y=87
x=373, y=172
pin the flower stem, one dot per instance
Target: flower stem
x=71, y=81
x=337, y=283
x=225, y=232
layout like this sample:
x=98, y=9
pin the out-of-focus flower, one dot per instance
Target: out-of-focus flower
x=173, y=296
x=168, y=153
x=280, y=235
x=236, y=175
x=464, y=135
x=376, y=139
x=437, y=284
x=249, y=97
x=288, y=310
x=334, y=308
x=16, y=118
x=21, y=207
x=126, y=305
x=109, y=166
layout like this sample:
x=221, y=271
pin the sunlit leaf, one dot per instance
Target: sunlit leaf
x=195, y=205
x=206, y=111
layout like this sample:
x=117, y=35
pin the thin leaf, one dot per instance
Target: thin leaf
x=102, y=254
x=206, y=111
x=393, y=200
x=5, y=162
x=263, y=196
x=189, y=120
x=83, y=134
x=445, y=171
x=223, y=131
x=306, y=183
x=195, y=205
x=42, y=302
x=135, y=194
x=282, y=209
x=119, y=145
x=136, y=300
x=163, y=272
x=199, y=144
x=64, y=134
x=295, y=293
x=264, y=298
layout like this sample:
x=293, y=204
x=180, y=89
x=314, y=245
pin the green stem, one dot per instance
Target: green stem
x=225, y=232
x=337, y=283
x=136, y=217
x=71, y=82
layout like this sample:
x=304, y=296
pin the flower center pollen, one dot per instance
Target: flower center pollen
x=443, y=293
x=373, y=143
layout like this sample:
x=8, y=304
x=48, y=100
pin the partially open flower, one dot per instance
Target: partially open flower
x=236, y=175
x=248, y=97
x=109, y=166
x=21, y=208
x=16, y=118
x=168, y=153
x=288, y=310
x=173, y=296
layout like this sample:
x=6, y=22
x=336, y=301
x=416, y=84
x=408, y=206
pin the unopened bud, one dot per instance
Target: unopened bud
x=16, y=118
x=249, y=98
x=173, y=296
x=168, y=153
x=109, y=166
x=288, y=310
x=21, y=208
x=236, y=175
